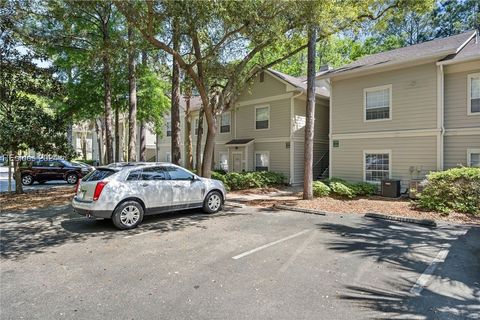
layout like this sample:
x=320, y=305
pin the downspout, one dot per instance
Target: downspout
x=440, y=117
x=330, y=134
x=292, y=148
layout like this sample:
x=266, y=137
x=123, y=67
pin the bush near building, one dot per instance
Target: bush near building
x=341, y=188
x=456, y=189
x=247, y=180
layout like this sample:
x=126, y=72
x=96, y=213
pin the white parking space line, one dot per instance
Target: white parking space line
x=427, y=274
x=297, y=252
x=139, y=234
x=270, y=244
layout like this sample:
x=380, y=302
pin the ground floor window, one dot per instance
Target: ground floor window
x=262, y=161
x=168, y=157
x=377, y=165
x=473, y=158
x=223, y=161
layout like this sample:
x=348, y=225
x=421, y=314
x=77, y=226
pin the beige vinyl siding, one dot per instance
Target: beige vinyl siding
x=279, y=156
x=414, y=100
x=456, y=96
x=256, y=89
x=279, y=122
x=416, y=152
x=321, y=119
x=318, y=150
x=455, y=149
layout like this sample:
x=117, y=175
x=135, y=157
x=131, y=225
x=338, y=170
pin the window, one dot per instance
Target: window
x=168, y=157
x=473, y=158
x=98, y=174
x=225, y=120
x=262, y=160
x=224, y=160
x=179, y=174
x=377, y=103
x=473, y=99
x=262, y=117
x=154, y=173
x=169, y=128
x=376, y=165
x=134, y=175
x=196, y=127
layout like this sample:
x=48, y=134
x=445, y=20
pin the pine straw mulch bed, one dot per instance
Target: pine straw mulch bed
x=396, y=207
x=36, y=199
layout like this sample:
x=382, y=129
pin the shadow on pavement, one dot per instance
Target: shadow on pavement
x=455, y=292
x=40, y=230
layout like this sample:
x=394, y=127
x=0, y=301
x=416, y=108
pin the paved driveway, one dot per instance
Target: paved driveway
x=240, y=264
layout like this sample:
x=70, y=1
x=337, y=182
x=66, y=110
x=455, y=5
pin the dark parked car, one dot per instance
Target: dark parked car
x=48, y=170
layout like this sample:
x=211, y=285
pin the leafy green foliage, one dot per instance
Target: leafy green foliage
x=456, y=189
x=247, y=180
x=320, y=189
x=346, y=189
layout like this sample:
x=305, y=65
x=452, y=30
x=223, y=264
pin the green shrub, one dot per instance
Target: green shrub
x=343, y=190
x=456, y=189
x=218, y=176
x=333, y=179
x=255, y=179
x=363, y=188
x=320, y=189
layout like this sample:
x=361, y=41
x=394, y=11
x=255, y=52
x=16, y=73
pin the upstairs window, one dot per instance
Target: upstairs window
x=169, y=128
x=195, y=125
x=262, y=117
x=378, y=103
x=225, y=120
x=473, y=98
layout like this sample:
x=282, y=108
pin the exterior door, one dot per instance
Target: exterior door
x=186, y=191
x=237, y=161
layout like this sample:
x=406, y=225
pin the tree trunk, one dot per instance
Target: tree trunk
x=198, y=151
x=117, y=136
x=188, y=135
x=99, y=132
x=17, y=176
x=209, y=145
x=132, y=100
x=9, y=173
x=143, y=141
x=310, y=117
x=107, y=94
x=175, y=108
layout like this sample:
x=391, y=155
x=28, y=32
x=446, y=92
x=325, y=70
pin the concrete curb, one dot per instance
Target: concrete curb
x=297, y=209
x=425, y=222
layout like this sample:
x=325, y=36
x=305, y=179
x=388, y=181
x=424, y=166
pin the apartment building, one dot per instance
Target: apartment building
x=403, y=113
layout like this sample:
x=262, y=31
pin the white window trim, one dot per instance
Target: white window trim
x=365, y=152
x=255, y=159
x=469, y=97
x=230, y=130
x=255, y=117
x=469, y=155
x=365, y=90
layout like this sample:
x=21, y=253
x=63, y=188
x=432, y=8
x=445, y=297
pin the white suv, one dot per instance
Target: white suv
x=127, y=192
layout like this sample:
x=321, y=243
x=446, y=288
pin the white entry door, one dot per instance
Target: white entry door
x=237, y=161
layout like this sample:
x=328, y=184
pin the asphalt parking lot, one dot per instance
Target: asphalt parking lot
x=243, y=263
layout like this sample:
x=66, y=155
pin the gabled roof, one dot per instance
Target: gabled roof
x=434, y=49
x=298, y=83
x=471, y=51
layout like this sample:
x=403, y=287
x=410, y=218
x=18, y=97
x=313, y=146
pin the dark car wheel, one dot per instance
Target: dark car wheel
x=128, y=215
x=27, y=179
x=213, y=202
x=72, y=178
